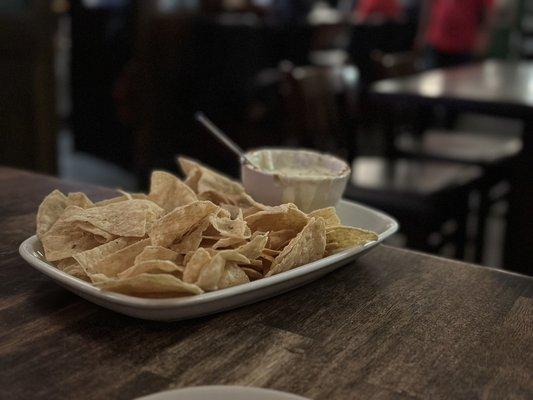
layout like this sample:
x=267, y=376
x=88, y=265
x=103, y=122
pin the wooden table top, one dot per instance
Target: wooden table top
x=504, y=87
x=394, y=325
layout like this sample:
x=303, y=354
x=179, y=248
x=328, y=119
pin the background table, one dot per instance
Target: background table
x=496, y=88
x=394, y=325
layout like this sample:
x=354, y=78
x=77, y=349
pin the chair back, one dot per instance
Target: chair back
x=316, y=103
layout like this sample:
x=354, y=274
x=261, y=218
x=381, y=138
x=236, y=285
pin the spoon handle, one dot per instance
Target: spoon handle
x=212, y=128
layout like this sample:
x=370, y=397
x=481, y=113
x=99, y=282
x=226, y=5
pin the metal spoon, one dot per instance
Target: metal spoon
x=222, y=137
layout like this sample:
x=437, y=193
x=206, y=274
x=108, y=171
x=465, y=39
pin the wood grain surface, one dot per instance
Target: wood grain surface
x=394, y=325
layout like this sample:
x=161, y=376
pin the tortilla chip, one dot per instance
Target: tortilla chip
x=245, y=201
x=270, y=252
x=127, y=218
x=65, y=239
x=89, y=258
x=187, y=165
x=227, y=242
x=342, y=237
x=206, y=270
x=329, y=214
x=214, y=197
x=99, y=278
x=156, y=253
x=114, y=263
x=233, y=211
x=251, y=273
x=212, y=186
x=150, y=285
x=192, y=179
x=209, y=180
x=169, y=192
x=254, y=248
x=228, y=227
x=124, y=197
x=67, y=244
x=194, y=265
x=279, y=239
x=308, y=246
x=151, y=266
x=186, y=258
x=266, y=265
x=211, y=273
x=173, y=226
x=255, y=264
x=247, y=211
x=285, y=216
x=65, y=263
x=223, y=213
x=232, y=276
x=79, y=199
x=233, y=255
x=49, y=211
x=192, y=240
x=268, y=257
x=70, y=266
x=99, y=234
x=77, y=271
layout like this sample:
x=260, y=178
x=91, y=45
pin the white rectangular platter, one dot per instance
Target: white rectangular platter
x=350, y=213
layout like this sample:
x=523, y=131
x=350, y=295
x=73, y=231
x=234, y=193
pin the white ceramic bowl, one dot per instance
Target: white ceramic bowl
x=218, y=392
x=309, y=192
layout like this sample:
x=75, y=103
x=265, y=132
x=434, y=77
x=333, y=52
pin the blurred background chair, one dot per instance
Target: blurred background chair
x=493, y=152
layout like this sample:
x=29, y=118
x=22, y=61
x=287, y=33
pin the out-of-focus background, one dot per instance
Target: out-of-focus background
x=104, y=91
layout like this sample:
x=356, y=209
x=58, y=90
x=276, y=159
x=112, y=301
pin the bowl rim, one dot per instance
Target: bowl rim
x=346, y=172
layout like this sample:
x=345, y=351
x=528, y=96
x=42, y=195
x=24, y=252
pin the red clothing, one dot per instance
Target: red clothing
x=454, y=24
x=387, y=9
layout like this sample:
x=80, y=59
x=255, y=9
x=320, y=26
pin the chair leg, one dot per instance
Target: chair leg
x=482, y=215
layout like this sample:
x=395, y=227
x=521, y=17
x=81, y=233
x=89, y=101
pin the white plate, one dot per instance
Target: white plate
x=222, y=393
x=350, y=213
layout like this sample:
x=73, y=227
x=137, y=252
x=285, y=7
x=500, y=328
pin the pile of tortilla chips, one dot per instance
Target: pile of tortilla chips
x=184, y=237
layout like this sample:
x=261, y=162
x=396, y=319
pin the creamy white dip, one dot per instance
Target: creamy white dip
x=297, y=164
x=309, y=179
x=315, y=171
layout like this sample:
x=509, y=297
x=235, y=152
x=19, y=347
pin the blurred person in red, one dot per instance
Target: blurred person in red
x=453, y=32
x=378, y=10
